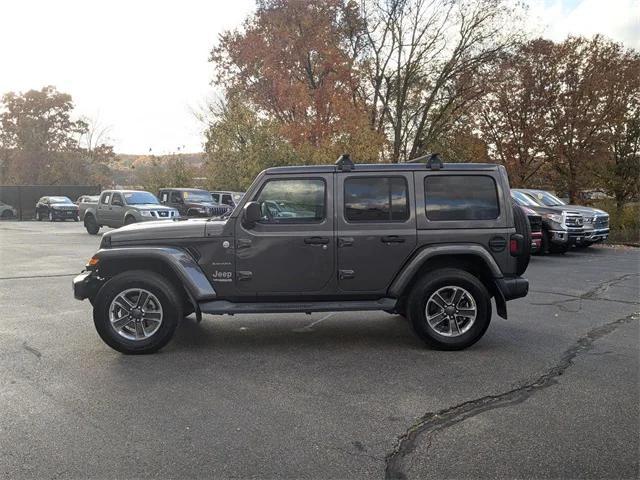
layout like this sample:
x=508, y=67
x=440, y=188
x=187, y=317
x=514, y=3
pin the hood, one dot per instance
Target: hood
x=585, y=210
x=67, y=206
x=162, y=229
x=151, y=206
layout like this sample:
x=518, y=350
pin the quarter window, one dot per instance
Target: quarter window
x=376, y=199
x=461, y=197
x=292, y=201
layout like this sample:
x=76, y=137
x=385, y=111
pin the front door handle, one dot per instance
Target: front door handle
x=316, y=241
x=392, y=239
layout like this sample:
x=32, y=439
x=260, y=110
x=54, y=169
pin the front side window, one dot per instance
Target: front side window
x=117, y=200
x=461, y=197
x=376, y=199
x=292, y=201
x=227, y=200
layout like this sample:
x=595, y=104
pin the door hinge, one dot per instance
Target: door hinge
x=346, y=274
x=243, y=243
x=345, y=241
x=244, y=275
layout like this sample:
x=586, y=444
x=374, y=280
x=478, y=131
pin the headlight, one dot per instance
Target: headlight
x=146, y=213
x=554, y=217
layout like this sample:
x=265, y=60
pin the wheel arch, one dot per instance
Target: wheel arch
x=174, y=264
x=470, y=258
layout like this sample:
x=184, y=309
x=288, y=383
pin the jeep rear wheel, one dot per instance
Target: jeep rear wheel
x=450, y=309
x=137, y=312
x=91, y=225
x=521, y=223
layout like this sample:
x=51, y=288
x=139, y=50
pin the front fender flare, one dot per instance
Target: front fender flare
x=413, y=265
x=180, y=262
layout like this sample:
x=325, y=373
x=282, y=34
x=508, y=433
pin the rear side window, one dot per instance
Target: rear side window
x=105, y=198
x=376, y=199
x=461, y=197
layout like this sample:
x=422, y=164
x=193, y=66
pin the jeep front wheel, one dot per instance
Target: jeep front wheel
x=449, y=309
x=137, y=312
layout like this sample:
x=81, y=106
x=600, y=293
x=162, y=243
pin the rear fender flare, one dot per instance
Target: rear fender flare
x=406, y=275
x=193, y=279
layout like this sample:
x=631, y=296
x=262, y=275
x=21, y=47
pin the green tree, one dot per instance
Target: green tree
x=38, y=136
x=239, y=145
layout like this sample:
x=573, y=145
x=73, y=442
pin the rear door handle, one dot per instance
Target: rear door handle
x=392, y=239
x=316, y=241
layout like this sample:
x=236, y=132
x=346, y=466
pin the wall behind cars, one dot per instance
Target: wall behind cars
x=24, y=197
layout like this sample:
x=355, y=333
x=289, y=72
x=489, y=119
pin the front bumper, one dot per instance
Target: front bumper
x=64, y=214
x=564, y=237
x=593, y=236
x=536, y=242
x=85, y=285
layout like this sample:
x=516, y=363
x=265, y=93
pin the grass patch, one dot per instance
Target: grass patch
x=624, y=223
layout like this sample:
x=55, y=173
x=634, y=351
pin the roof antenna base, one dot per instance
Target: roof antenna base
x=434, y=162
x=344, y=163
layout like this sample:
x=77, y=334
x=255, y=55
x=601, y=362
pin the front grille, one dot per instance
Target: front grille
x=535, y=221
x=219, y=210
x=573, y=220
x=601, y=222
x=163, y=214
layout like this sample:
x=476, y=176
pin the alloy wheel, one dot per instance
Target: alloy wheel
x=451, y=311
x=135, y=314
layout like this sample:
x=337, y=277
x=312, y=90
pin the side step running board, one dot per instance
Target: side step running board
x=221, y=307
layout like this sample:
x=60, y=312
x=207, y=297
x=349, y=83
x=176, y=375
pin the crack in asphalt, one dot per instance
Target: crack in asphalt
x=433, y=422
x=593, y=294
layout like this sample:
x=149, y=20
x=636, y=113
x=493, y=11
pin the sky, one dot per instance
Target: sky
x=140, y=68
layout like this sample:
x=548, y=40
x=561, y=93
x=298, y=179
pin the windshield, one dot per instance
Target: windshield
x=545, y=198
x=140, y=198
x=197, y=196
x=523, y=199
x=59, y=200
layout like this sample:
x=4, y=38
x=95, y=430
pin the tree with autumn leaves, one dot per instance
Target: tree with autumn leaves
x=389, y=80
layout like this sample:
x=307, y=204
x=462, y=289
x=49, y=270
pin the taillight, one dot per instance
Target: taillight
x=515, y=244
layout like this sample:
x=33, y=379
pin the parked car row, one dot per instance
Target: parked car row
x=115, y=208
x=558, y=225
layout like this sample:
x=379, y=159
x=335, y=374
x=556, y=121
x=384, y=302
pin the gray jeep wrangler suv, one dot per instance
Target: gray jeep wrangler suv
x=430, y=241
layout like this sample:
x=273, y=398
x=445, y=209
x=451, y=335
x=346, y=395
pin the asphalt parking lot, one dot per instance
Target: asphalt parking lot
x=551, y=392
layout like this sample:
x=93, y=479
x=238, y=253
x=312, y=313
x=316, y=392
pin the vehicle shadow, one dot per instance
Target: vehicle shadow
x=238, y=333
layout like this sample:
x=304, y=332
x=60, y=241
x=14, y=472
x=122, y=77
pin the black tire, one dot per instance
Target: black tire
x=129, y=220
x=432, y=282
x=561, y=249
x=76, y=218
x=38, y=217
x=51, y=219
x=91, y=225
x=523, y=228
x=166, y=294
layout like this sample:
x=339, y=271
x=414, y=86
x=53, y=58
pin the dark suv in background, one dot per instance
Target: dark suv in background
x=57, y=208
x=192, y=202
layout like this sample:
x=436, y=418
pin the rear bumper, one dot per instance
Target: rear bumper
x=85, y=285
x=513, y=287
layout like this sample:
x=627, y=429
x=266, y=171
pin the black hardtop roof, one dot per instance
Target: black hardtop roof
x=383, y=167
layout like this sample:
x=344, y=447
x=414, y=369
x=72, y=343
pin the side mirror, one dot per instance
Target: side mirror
x=251, y=214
